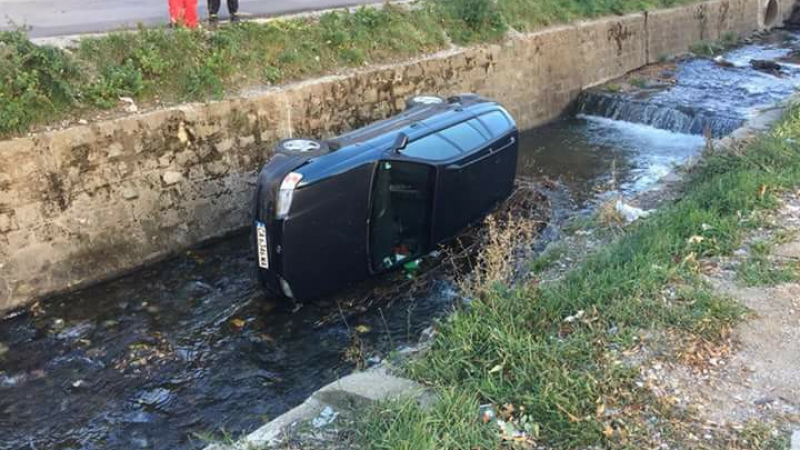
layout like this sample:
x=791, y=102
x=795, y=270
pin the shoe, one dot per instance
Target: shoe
x=235, y=18
x=213, y=21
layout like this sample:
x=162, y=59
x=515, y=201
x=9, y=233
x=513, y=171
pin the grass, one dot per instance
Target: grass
x=527, y=15
x=759, y=270
x=548, y=258
x=41, y=85
x=154, y=66
x=711, y=48
x=525, y=348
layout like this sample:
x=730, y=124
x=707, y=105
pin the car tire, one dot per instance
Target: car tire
x=302, y=147
x=423, y=100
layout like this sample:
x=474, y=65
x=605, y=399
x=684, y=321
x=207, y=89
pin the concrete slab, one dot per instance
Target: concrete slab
x=345, y=395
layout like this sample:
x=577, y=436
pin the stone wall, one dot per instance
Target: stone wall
x=87, y=203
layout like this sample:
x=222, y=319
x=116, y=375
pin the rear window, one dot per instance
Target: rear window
x=497, y=122
x=465, y=136
x=431, y=147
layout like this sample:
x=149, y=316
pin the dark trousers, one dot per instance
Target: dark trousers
x=213, y=6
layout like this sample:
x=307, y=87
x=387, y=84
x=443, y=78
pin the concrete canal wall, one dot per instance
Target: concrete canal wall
x=87, y=203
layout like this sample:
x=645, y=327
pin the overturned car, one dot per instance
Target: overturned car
x=331, y=213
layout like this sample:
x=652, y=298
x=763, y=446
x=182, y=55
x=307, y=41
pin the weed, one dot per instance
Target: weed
x=37, y=83
x=729, y=39
x=613, y=87
x=115, y=82
x=638, y=82
x=761, y=436
x=551, y=255
x=493, y=265
x=405, y=425
x=167, y=66
x=759, y=270
x=609, y=216
x=704, y=48
x=471, y=20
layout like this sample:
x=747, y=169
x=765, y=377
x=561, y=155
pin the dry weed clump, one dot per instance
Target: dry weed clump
x=609, y=215
x=505, y=242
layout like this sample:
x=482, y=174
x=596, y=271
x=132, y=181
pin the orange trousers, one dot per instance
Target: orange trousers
x=183, y=12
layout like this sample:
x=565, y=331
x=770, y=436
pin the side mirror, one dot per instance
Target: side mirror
x=400, y=143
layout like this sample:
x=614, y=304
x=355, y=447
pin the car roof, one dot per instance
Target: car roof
x=371, y=142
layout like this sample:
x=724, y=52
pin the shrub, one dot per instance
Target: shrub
x=472, y=20
x=37, y=83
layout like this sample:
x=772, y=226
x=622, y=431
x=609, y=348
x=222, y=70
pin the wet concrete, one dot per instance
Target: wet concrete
x=178, y=352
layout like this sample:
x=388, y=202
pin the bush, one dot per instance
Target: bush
x=115, y=82
x=37, y=83
x=472, y=20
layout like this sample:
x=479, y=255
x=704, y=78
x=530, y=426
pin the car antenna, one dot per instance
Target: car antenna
x=400, y=143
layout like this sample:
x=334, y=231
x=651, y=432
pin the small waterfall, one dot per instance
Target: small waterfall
x=648, y=111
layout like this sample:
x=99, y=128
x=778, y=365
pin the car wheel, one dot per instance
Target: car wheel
x=302, y=147
x=423, y=100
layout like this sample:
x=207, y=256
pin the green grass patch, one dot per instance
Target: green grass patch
x=37, y=84
x=555, y=351
x=710, y=48
x=548, y=258
x=759, y=270
x=526, y=15
x=41, y=84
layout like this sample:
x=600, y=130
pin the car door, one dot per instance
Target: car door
x=400, y=212
x=471, y=186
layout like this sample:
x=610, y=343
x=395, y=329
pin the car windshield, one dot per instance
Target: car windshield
x=400, y=217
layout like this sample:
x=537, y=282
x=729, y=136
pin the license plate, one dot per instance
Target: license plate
x=261, y=244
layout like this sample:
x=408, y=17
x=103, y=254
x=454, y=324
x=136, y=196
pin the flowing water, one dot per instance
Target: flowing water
x=707, y=95
x=188, y=347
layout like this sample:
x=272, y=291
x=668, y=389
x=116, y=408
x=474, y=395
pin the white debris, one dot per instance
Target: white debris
x=630, y=213
x=325, y=418
x=795, y=440
x=130, y=105
x=577, y=316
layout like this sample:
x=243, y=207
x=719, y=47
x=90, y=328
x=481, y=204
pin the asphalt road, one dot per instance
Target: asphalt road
x=65, y=17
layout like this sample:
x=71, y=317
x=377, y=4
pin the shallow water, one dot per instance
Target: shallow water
x=707, y=95
x=187, y=346
x=591, y=155
x=163, y=356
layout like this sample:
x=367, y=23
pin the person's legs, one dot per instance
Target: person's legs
x=233, y=8
x=175, y=7
x=213, y=7
x=190, y=13
x=213, y=11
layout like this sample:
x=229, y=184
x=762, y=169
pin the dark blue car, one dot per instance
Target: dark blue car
x=330, y=213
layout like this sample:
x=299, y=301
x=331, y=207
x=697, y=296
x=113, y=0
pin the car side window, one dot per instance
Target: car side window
x=431, y=147
x=465, y=136
x=497, y=122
